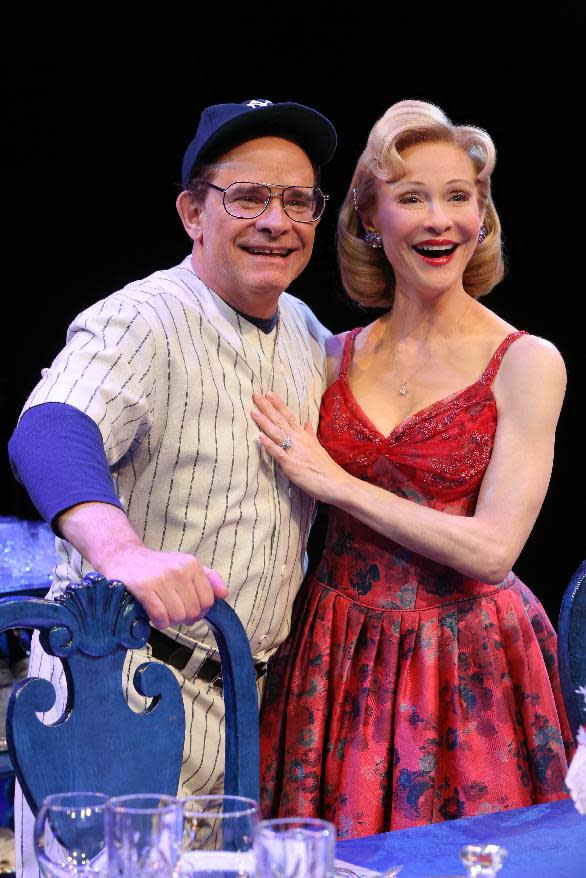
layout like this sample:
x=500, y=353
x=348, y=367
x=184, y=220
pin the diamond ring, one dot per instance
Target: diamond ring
x=286, y=443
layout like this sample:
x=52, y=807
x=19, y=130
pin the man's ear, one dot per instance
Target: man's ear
x=191, y=214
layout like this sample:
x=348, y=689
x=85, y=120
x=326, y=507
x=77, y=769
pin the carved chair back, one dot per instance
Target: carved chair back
x=100, y=743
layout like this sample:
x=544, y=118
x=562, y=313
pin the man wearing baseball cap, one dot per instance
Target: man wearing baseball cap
x=155, y=475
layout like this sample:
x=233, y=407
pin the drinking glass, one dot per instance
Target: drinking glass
x=218, y=836
x=294, y=847
x=69, y=836
x=143, y=835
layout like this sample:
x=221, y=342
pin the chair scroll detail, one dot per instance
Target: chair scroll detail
x=572, y=647
x=100, y=743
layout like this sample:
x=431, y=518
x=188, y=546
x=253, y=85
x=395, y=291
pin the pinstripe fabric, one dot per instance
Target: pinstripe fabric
x=167, y=371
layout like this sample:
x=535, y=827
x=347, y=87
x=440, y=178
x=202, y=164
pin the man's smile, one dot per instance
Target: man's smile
x=265, y=250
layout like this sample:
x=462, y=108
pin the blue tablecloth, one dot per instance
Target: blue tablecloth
x=543, y=841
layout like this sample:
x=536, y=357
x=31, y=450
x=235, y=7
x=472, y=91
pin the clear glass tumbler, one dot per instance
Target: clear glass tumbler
x=294, y=847
x=218, y=833
x=143, y=836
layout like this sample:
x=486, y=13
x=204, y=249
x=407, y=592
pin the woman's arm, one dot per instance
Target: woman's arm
x=529, y=390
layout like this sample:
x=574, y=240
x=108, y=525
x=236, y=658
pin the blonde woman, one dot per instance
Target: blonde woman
x=419, y=683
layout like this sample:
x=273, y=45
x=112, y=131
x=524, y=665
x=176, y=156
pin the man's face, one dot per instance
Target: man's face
x=249, y=262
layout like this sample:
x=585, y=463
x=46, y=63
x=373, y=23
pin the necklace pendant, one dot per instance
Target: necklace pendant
x=403, y=389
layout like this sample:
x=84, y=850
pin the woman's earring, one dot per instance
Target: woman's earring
x=372, y=238
x=482, y=234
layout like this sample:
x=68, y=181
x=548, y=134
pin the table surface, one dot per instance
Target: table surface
x=543, y=841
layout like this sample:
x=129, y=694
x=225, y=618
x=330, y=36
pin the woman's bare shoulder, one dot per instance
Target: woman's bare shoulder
x=533, y=372
x=531, y=352
x=335, y=347
x=334, y=351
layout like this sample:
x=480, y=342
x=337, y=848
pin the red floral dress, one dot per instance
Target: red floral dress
x=408, y=693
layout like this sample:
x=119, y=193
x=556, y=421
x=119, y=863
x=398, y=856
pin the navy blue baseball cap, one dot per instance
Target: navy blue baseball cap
x=223, y=126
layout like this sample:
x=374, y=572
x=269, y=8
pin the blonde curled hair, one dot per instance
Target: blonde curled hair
x=367, y=275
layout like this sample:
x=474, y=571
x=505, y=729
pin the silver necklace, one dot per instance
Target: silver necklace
x=403, y=386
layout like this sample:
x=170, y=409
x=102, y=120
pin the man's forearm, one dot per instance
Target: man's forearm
x=98, y=531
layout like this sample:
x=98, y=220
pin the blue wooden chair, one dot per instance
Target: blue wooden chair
x=572, y=647
x=90, y=629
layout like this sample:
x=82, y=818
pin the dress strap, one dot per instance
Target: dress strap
x=491, y=370
x=347, y=351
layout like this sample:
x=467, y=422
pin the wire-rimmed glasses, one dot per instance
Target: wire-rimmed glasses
x=246, y=200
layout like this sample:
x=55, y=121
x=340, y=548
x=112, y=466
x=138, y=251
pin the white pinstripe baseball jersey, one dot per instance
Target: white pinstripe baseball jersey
x=167, y=370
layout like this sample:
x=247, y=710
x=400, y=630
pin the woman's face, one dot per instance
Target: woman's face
x=429, y=218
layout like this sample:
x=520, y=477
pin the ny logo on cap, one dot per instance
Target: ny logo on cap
x=256, y=104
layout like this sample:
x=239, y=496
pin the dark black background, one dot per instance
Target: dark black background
x=96, y=123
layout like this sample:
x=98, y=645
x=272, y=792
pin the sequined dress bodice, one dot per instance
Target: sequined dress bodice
x=436, y=457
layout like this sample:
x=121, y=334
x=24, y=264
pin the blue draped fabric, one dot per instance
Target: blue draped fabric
x=543, y=841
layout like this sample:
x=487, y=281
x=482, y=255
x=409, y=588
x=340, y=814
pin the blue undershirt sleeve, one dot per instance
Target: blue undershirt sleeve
x=57, y=453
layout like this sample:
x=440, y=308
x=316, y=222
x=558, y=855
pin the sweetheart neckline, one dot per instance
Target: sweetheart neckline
x=414, y=416
x=419, y=413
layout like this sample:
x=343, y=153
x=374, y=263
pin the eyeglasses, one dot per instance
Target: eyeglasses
x=303, y=204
